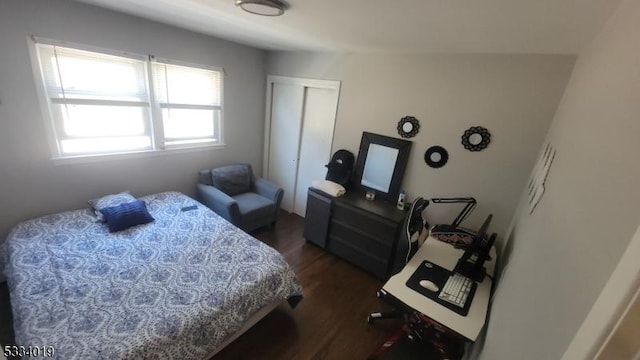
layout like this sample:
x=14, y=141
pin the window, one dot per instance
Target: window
x=190, y=102
x=105, y=104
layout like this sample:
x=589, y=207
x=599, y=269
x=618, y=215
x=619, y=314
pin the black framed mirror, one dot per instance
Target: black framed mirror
x=381, y=164
x=436, y=156
x=408, y=127
x=476, y=138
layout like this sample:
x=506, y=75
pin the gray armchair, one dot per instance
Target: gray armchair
x=236, y=195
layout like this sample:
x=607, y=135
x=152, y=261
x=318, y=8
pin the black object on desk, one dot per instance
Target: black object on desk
x=438, y=275
x=471, y=263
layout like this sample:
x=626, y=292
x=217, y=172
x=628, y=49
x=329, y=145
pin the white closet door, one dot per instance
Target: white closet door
x=315, y=147
x=299, y=124
x=284, y=138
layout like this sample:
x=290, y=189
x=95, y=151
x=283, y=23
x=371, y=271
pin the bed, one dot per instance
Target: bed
x=180, y=287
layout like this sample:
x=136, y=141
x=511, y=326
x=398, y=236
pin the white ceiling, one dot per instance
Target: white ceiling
x=398, y=26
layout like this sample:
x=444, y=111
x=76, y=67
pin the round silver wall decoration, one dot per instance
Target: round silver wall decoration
x=408, y=127
x=436, y=156
x=476, y=138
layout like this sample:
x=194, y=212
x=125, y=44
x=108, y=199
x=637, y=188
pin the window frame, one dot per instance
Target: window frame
x=158, y=107
x=153, y=125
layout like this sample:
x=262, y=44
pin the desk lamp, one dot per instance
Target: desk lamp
x=453, y=233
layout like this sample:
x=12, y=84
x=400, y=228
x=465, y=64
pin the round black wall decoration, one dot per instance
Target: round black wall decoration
x=408, y=127
x=436, y=156
x=476, y=138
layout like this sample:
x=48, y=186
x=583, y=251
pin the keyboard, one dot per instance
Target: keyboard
x=456, y=290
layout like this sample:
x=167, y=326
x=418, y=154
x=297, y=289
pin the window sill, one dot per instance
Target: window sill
x=86, y=159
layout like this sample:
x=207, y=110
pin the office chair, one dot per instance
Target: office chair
x=413, y=235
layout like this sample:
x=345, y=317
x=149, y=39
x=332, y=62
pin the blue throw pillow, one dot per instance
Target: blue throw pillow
x=124, y=216
x=108, y=201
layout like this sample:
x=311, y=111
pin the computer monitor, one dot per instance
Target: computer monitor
x=471, y=263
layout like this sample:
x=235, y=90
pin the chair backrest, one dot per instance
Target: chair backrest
x=414, y=232
x=233, y=179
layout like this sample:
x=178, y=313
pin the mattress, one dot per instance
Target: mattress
x=175, y=288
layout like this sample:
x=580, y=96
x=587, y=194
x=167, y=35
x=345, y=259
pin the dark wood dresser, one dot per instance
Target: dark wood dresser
x=362, y=232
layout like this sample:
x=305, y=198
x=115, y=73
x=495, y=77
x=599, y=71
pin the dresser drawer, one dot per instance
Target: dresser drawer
x=373, y=226
x=316, y=220
x=358, y=257
x=358, y=238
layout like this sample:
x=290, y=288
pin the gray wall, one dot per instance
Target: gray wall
x=514, y=96
x=561, y=256
x=31, y=185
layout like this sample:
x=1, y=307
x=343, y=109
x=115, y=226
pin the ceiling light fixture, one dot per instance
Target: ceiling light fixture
x=263, y=7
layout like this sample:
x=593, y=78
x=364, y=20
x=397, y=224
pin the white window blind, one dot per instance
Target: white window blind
x=99, y=103
x=102, y=103
x=190, y=103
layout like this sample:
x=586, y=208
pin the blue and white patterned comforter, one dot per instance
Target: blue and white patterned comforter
x=171, y=289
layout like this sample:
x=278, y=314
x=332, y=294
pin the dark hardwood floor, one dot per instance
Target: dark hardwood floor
x=329, y=323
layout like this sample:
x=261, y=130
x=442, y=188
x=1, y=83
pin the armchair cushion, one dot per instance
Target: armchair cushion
x=232, y=179
x=254, y=208
x=223, y=204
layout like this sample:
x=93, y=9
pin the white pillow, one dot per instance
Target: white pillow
x=108, y=201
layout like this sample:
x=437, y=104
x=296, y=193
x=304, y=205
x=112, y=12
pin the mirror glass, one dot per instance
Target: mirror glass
x=379, y=166
x=408, y=127
x=436, y=156
x=475, y=139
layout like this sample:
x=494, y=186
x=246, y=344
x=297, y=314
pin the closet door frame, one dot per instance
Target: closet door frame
x=306, y=83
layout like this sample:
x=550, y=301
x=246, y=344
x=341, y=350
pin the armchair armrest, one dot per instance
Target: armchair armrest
x=269, y=190
x=221, y=203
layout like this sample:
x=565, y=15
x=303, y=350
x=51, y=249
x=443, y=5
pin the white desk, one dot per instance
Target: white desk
x=445, y=255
